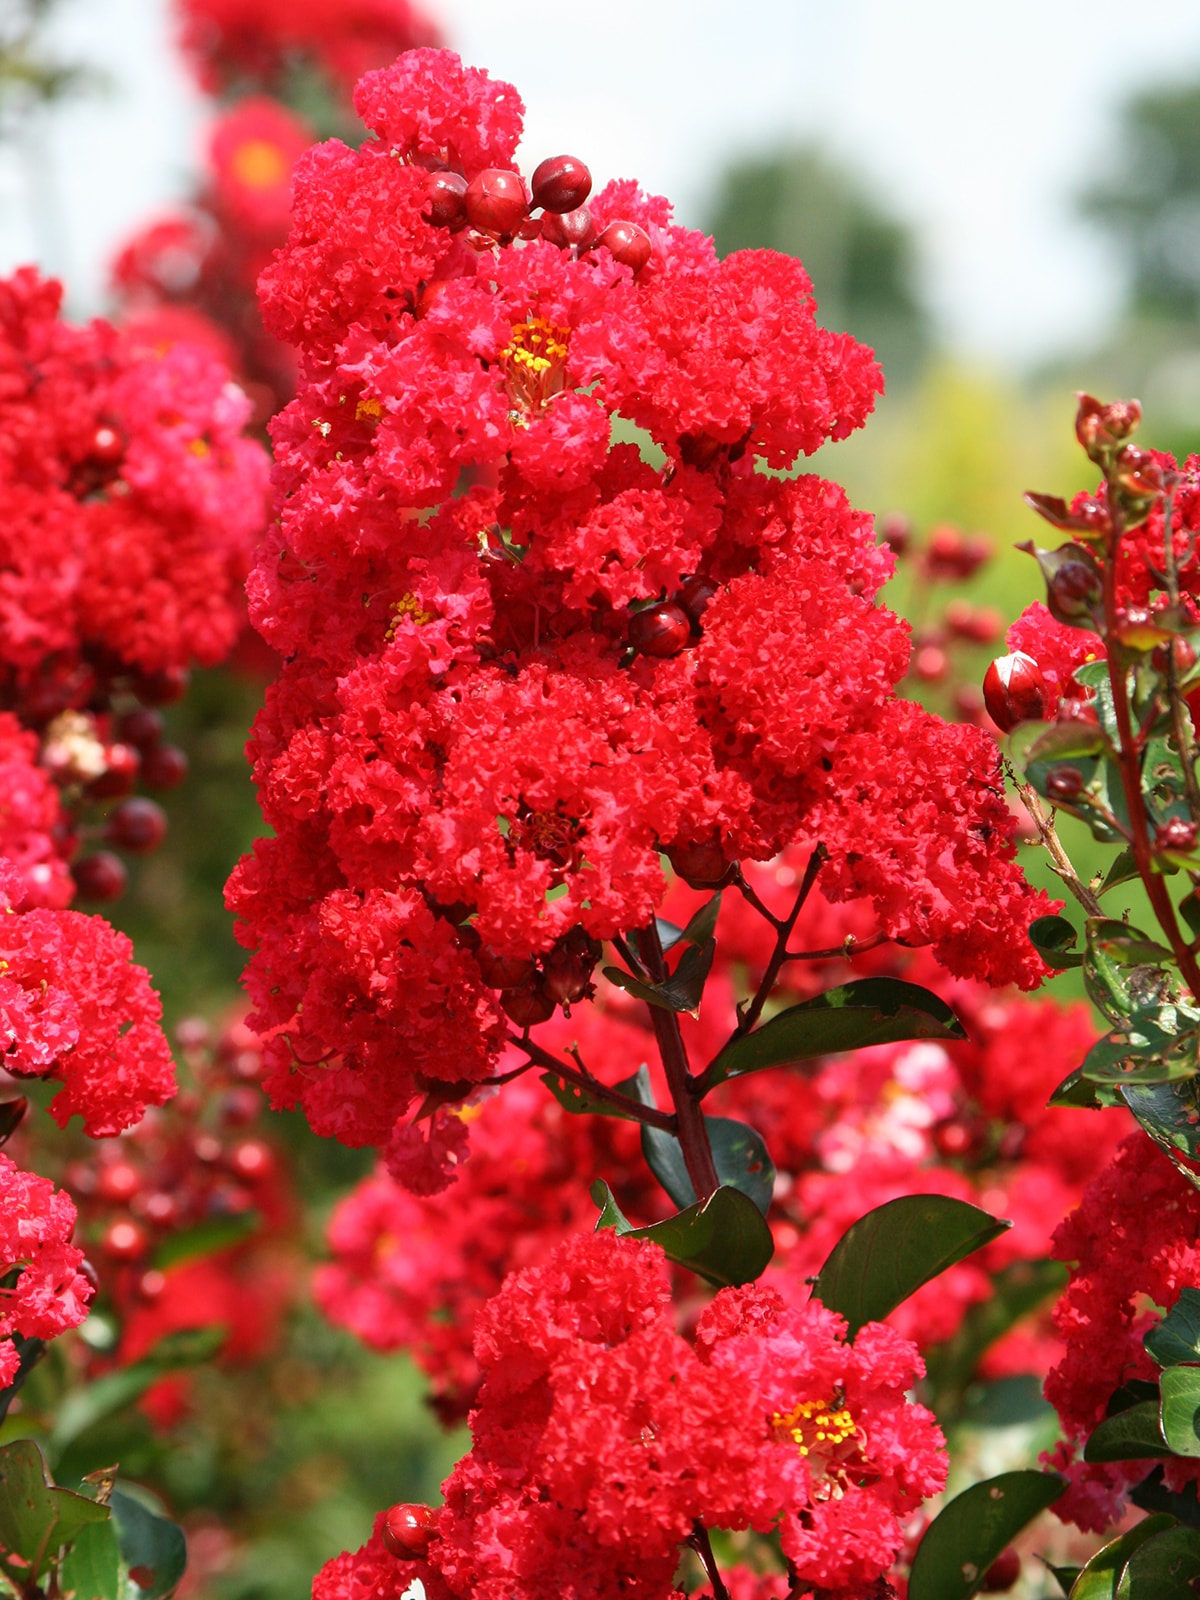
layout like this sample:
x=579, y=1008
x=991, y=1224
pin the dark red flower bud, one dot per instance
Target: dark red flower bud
x=1064, y=783
x=527, y=1006
x=496, y=201
x=118, y=1182
x=574, y=229
x=694, y=595
x=445, y=204
x=504, y=972
x=164, y=767
x=408, y=1531
x=567, y=969
x=125, y=1241
x=161, y=688
x=252, y=1160
x=977, y=624
x=930, y=664
x=701, y=865
x=121, y=763
x=627, y=243
x=137, y=825
x=561, y=184
x=1003, y=1572
x=1177, y=834
x=142, y=728
x=896, y=530
x=660, y=630
x=100, y=877
x=1185, y=656
x=107, y=447
x=1014, y=691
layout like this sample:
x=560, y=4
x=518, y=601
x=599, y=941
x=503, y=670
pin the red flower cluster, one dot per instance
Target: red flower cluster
x=229, y=41
x=602, y=1439
x=523, y=660
x=130, y=505
x=43, y=1292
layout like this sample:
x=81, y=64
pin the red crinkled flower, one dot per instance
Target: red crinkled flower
x=1133, y=1241
x=474, y=737
x=601, y=1437
x=29, y=813
x=231, y=40
x=75, y=1008
x=48, y=1293
x=252, y=150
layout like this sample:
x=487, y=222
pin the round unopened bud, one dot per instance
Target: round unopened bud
x=661, y=630
x=137, y=825
x=527, y=1006
x=100, y=877
x=408, y=1531
x=1014, y=691
x=1064, y=783
x=142, y=727
x=627, y=243
x=121, y=763
x=567, y=969
x=445, y=202
x=125, y=1241
x=496, y=201
x=560, y=184
x=1003, y=1572
x=161, y=688
x=504, y=972
x=107, y=446
x=1176, y=834
x=164, y=767
x=694, y=595
x=1074, y=589
x=930, y=664
x=702, y=865
x=572, y=230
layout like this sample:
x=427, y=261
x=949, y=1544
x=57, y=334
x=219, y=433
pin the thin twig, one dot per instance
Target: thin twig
x=847, y=950
x=594, y=1089
x=700, y=1543
x=1048, y=833
x=752, y=1013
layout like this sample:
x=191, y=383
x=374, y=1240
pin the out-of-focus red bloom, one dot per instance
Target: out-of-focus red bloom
x=253, y=148
x=48, y=1294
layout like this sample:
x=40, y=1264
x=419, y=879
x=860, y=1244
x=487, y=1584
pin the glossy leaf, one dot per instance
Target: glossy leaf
x=888, y=1254
x=739, y=1155
x=1177, y=1337
x=206, y=1238
x=153, y=1548
x=1124, y=869
x=579, y=1103
x=682, y=990
x=1082, y=1093
x=1181, y=1409
x=1132, y=1435
x=724, y=1240
x=37, y=1519
x=92, y=1567
x=1163, y=1568
x=864, y=1012
x=1053, y=938
x=1101, y=1576
x=1063, y=1576
x=703, y=925
x=1170, y=1114
x=669, y=933
x=967, y=1535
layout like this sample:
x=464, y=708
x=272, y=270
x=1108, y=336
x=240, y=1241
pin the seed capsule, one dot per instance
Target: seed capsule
x=561, y=183
x=408, y=1530
x=446, y=199
x=627, y=243
x=660, y=630
x=1014, y=691
x=496, y=201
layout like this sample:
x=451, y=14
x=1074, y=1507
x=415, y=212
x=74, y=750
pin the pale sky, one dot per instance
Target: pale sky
x=974, y=122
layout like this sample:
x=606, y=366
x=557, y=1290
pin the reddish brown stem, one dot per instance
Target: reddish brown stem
x=783, y=932
x=847, y=950
x=690, y=1127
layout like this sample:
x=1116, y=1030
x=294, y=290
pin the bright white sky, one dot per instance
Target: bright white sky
x=975, y=122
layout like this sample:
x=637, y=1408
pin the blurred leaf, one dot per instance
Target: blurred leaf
x=1131, y=1435
x=864, y=1012
x=1063, y=1576
x=81, y=1408
x=724, y=1240
x=1017, y=1289
x=1163, y=1568
x=1052, y=938
x=92, y=1567
x=11, y=1112
x=31, y=1352
x=1176, y=1338
x=153, y=1548
x=888, y=1254
x=1181, y=1409
x=967, y=1535
x=1101, y=1576
x=36, y=1518
x=206, y=1238
x=739, y=1154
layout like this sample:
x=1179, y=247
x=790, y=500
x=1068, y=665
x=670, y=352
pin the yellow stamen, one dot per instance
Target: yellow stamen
x=534, y=359
x=812, y=1426
x=372, y=409
x=407, y=606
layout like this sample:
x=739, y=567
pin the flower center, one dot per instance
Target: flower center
x=259, y=164
x=825, y=1436
x=407, y=606
x=534, y=361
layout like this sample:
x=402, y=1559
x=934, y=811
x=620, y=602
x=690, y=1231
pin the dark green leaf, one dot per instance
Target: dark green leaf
x=1189, y=909
x=1063, y=1576
x=206, y=1238
x=1052, y=938
x=1079, y=1092
x=1181, y=1409
x=153, y=1548
x=1122, y=967
x=1124, y=869
x=1143, y=1052
x=1017, y=1290
x=1170, y=1114
x=703, y=925
x=11, y=1112
x=967, y=1535
x=1182, y=1505
x=1131, y=1435
x=682, y=990
x=31, y=1352
x=724, y=1240
x=669, y=934
x=888, y=1254
x=739, y=1154
x=36, y=1518
x=864, y=1012
x=1176, y=1338
x=92, y=1567
x=580, y=1103
x=1163, y=1568
x=1102, y=1574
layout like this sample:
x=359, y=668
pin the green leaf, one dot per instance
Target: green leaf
x=1124, y=869
x=1063, y=1576
x=1181, y=1506
x=1176, y=1338
x=37, y=1519
x=92, y=1567
x=31, y=1352
x=83, y=1407
x=1081, y=1093
x=739, y=1155
x=1102, y=1574
x=153, y=1548
x=1131, y=1435
x=1166, y=1057
x=1163, y=1568
x=1052, y=938
x=1122, y=967
x=703, y=925
x=579, y=1103
x=1170, y=1114
x=888, y=1254
x=967, y=1535
x=863, y=1012
x=1189, y=910
x=682, y=990
x=1181, y=1409
x=1017, y=1290
x=724, y=1240
x=206, y=1238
